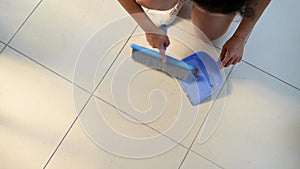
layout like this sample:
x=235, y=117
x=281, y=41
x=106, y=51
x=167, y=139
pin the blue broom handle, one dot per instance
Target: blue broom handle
x=164, y=27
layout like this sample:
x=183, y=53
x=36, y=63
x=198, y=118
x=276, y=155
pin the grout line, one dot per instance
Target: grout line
x=50, y=70
x=21, y=26
x=271, y=75
x=206, y=158
x=1, y=42
x=91, y=95
x=65, y=135
x=188, y=148
x=178, y=143
x=217, y=47
x=3, y=46
x=61, y=76
x=145, y=124
x=196, y=136
x=118, y=54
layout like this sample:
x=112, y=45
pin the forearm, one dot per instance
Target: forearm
x=254, y=12
x=138, y=14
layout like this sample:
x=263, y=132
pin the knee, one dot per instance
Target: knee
x=212, y=26
x=140, y=2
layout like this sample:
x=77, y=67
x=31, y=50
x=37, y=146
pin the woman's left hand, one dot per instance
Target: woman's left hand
x=232, y=51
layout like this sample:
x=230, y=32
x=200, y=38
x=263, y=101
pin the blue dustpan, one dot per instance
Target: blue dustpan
x=208, y=79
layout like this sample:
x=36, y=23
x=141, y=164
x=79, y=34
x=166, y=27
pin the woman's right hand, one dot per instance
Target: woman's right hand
x=155, y=36
x=159, y=40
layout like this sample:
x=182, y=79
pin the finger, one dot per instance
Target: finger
x=223, y=53
x=222, y=57
x=163, y=55
x=226, y=59
x=240, y=59
x=221, y=65
x=230, y=62
x=236, y=61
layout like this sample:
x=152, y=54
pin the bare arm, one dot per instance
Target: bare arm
x=233, y=49
x=252, y=13
x=155, y=36
x=137, y=12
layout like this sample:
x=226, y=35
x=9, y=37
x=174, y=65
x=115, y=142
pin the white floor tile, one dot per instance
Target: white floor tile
x=260, y=125
x=134, y=88
x=259, y=128
x=193, y=160
x=12, y=15
x=57, y=32
x=79, y=151
x=273, y=44
x=36, y=109
x=1, y=46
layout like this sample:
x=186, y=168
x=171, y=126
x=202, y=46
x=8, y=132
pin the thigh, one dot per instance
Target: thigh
x=212, y=25
x=158, y=4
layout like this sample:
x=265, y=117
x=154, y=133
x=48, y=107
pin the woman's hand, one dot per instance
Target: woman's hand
x=159, y=40
x=232, y=51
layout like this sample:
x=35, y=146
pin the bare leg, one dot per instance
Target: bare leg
x=212, y=25
x=157, y=4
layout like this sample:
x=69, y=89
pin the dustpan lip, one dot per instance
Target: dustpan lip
x=213, y=76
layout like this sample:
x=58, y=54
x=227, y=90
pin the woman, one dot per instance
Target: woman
x=212, y=17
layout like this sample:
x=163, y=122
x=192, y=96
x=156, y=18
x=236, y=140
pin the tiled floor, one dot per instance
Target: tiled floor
x=274, y=42
x=13, y=14
x=57, y=52
x=1, y=46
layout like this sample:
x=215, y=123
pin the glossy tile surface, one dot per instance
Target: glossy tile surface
x=260, y=124
x=273, y=44
x=154, y=97
x=79, y=151
x=36, y=110
x=139, y=117
x=12, y=15
x=194, y=160
x=1, y=46
x=58, y=31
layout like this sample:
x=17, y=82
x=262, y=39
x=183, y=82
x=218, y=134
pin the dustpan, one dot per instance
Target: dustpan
x=207, y=81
